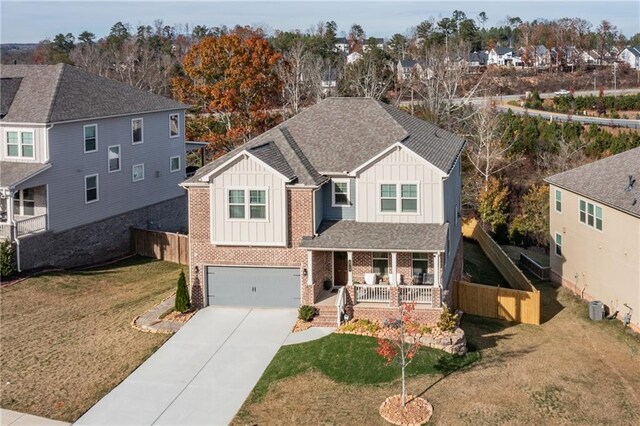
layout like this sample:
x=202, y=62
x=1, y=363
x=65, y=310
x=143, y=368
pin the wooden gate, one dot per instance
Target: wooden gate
x=496, y=302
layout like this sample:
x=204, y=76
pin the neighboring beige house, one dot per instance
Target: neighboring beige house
x=595, y=232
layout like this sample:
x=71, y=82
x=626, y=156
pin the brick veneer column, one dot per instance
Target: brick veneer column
x=394, y=296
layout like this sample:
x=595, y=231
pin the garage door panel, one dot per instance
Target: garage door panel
x=245, y=286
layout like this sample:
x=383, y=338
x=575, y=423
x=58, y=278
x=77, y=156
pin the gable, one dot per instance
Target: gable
x=398, y=156
x=245, y=169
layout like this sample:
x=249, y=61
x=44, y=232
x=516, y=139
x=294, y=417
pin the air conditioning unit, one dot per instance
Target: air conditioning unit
x=596, y=310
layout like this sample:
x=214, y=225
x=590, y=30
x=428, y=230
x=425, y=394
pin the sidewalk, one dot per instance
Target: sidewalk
x=13, y=418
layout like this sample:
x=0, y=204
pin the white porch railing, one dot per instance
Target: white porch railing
x=31, y=225
x=6, y=232
x=372, y=293
x=416, y=293
x=341, y=301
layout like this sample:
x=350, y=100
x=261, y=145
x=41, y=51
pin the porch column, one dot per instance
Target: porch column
x=350, y=267
x=309, y=267
x=10, y=223
x=436, y=271
x=394, y=266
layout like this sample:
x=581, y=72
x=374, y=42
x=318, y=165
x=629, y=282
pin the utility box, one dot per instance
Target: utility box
x=596, y=310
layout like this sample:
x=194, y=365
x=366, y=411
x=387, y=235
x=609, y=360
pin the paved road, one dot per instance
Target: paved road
x=616, y=122
x=202, y=374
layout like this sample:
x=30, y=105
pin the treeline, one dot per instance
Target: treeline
x=569, y=104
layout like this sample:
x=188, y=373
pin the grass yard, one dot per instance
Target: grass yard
x=478, y=265
x=569, y=370
x=66, y=338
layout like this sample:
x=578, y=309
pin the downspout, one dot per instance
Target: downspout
x=14, y=231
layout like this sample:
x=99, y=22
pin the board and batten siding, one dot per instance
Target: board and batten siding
x=39, y=142
x=117, y=192
x=400, y=166
x=247, y=173
x=342, y=212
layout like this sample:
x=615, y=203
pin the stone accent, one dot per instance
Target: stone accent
x=454, y=343
x=100, y=241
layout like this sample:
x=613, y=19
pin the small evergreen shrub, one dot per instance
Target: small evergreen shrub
x=306, y=312
x=327, y=284
x=8, y=265
x=447, y=321
x=182, y=294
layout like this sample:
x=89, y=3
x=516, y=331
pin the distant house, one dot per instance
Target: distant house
x=407, y=69
x=329, y=80
x=353, y=57
x=373, y=41
x=478, y=59
x=502, y=56
x=595, y=232
x=342, y=45
x=590, y=57
x=631, y=56
x=534, y=56
x=84, y=158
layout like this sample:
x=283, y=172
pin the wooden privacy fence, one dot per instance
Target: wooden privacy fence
x=496, y=302
x=167, y=246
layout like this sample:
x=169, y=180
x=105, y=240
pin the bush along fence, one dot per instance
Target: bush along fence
x=161, y=245
x=519, y=304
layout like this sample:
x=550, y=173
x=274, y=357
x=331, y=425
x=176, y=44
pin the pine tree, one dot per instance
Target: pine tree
x=182, y=294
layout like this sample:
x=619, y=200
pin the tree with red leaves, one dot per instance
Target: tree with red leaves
x=401, y=342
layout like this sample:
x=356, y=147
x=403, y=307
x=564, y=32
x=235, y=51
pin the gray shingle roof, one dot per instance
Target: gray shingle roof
x=12, y=173
x=270, y=154
x=347, y=234
x=8, y=89
x=408, y=63
x=339, y=134
x=503, y=50
x=606, y=181
x=56, y=93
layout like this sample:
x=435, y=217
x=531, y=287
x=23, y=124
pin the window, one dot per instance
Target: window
x=236, y=204
x=90, y=189
x=90, y=138
x=558, y=201
x=558, y=245
x=408, y=202
x=257, y=204
x=137, y=172
x=381, y=263
x=24, y=203
x=388, y=197
x=136, y=131
x=341, y=192
x=20, y=144
x=420, y=263
x=174, y=125
x=591, y=215
x=174, y=164
x=113, y=156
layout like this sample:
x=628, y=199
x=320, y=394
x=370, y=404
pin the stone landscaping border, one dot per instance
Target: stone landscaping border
x=151, y=321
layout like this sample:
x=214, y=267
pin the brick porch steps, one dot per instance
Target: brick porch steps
x=327, y=316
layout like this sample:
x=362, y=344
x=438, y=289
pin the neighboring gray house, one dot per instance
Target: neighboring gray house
x=84, y=158
x=350, y=191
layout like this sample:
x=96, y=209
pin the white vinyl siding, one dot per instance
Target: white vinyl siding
x=174, y=125
x=591, y=214
x=174, y=164
x=137, y=131
x=20, y=144
x=113, y=158
x=137, y=172
x=90, y=138
x=91, y=190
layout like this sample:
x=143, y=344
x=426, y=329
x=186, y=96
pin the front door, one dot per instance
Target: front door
x=340, y=268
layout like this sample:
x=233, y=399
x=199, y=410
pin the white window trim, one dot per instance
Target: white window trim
x=381, y=258
x=333, y=193
x=97, y=176
x=119, y=158
x=6, y=155
x=141, y=131
x=247, y=204
x=555, y=201
x=84, y=138
x=177, y=135
x=399, y=198
x=171, y=164
x=133, y=179
x=21, y=201
x=556, y=245
x=595, y=216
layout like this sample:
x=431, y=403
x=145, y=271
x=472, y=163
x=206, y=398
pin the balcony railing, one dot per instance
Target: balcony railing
x=415, y=293
x=372, y=293
x=5, y=231
x=26, y=226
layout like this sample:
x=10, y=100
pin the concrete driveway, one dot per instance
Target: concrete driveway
x=202, y=374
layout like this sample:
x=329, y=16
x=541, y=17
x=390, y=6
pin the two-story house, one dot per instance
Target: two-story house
x=631, y=56
x=503, y=56
x=352, y=194
x=82, y=159
x=595, y=232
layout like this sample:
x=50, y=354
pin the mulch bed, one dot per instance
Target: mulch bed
x=180, y=317
x=416, y=412
x=301, y=325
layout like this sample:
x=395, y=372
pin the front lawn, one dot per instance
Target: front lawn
x=66, y=338
x=351, y=359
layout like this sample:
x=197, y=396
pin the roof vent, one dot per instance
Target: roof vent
x=634, y=202
x=631, y=182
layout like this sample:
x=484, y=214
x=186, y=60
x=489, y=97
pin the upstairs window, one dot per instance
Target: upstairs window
x=174, y=164
x=90, y=138
x=409, y=194
x=136, y=131
x=388, y=197
x=20, y=144
x=114, y=158
x=341, y=193
x=90, y=189
x=255, y=207
x=402, y=198
x=137, y=172
x=591, y=215
x=257, y=204
x=174, y=125
x=236, y=204
x=558, y=245
x=558, y=201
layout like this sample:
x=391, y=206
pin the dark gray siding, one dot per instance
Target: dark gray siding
x=117, y=192
x=338, y=213
x=317, y=200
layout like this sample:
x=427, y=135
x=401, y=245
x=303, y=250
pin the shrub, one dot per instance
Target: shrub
x=8, y=265
x=182, y=294
x=306, y=312
x=362, y=325
x=327, y=284
x=447, y=321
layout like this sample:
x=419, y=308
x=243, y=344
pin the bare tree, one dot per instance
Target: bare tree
x=369, y=76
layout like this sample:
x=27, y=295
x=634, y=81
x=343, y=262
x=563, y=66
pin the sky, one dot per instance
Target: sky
x=31, y=21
